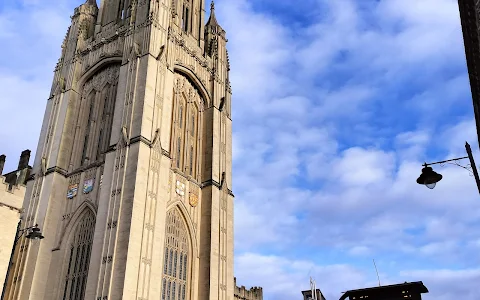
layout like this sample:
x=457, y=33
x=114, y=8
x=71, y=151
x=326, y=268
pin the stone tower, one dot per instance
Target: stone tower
x=132, y=181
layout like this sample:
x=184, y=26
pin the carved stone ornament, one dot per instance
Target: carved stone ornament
x=155, y=137
x=135, y=51
x=193, y=200
x=98, y=81
x=44, y=165
x=160, y=52
x=126, y=140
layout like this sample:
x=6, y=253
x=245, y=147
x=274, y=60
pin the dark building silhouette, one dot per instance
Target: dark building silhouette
x=307, y=295
x=407, y=290
x=469, y=17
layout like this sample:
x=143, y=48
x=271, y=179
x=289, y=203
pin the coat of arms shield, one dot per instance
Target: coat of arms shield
x=88, y=186
x=72, y=191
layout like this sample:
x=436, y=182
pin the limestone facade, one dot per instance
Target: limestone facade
x=241, y=293
x=12, y=192
x=132, y=180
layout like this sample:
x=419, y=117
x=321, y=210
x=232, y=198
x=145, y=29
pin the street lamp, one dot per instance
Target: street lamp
x=34, y=234
x=429, y=177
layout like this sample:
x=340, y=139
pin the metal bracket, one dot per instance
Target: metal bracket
x=467, y=167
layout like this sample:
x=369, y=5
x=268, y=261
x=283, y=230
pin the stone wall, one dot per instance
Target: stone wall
x=12, y=192
x=11, y=200
x=254, y=293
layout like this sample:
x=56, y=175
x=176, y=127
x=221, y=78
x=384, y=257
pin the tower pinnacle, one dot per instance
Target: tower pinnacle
x=212, y=20
x=91, y=2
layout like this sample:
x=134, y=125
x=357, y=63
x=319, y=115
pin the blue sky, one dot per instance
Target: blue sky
x=336, y=104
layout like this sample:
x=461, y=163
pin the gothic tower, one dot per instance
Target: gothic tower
x=132, y=180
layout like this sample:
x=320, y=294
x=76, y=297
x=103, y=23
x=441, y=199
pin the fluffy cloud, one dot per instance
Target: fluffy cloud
x=385, y=84
x=336, y=106
x=31, y=33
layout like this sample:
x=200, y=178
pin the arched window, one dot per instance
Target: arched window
x=121, y=10
x=79, y=258
x=186, y=118
x=175, y=283
x=186, y=26
x=91, y=100
x=193, y=140
x=95, y=117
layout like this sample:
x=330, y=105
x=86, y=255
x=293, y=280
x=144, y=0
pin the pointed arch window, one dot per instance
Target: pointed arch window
x=79, y=258
x=109, y=93
x=91, y=100
x=186, y=27
x=175, y=283
x=95, y=118
x=121, y=10
x=186, y=124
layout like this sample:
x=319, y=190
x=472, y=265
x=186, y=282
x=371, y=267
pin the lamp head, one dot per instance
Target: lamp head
x=429, y=177
x=35, y=234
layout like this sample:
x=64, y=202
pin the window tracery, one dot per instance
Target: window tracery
x=79, y=258
x=95, y=117
x=185, y=124
x=177, y=250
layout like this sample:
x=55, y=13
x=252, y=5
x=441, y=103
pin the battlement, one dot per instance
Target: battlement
x=254, y=293
x=19, y=176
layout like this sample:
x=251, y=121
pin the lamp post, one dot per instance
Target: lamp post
x=429, y=178
x=33, y=234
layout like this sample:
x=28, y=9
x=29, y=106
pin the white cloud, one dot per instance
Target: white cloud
x=447, y=284
x=31, y=39
x=362, y=200
x=283, y=278
x=332, y=122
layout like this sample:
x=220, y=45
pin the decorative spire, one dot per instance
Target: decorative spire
x=212, y=20
x=91, y=2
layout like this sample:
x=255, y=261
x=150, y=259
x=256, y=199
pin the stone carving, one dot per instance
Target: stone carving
x=98, y=81
x=107, y=259
x=193, y=200
x=111, y=224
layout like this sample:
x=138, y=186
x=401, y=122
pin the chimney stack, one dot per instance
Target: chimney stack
x=24, y=158
x=2, y=162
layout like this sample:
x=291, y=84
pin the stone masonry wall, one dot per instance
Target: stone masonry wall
x=11, y=200
x=241, y=293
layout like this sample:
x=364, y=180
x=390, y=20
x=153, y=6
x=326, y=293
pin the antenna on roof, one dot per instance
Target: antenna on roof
x=378, y=277
x=313, y=288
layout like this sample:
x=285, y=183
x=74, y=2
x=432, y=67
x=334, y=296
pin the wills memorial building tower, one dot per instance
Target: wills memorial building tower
x=132, y=180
